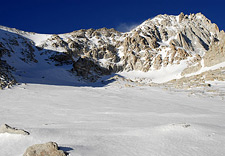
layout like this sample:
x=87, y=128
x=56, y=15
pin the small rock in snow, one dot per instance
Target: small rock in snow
x=47, y=149
x=7, y=129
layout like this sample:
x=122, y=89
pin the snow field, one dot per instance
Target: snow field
x=112, y=121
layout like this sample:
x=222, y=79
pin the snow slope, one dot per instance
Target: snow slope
x=112, y=121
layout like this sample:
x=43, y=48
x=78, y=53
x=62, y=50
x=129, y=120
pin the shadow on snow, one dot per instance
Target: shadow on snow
x=45, y=70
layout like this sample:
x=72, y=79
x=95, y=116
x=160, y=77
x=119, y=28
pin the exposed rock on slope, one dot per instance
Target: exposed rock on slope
x=89, y=69
x=216, y=52
x=6, y=78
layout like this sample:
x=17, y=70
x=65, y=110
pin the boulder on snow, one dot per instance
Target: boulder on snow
x=7, y=129
x=47, y=149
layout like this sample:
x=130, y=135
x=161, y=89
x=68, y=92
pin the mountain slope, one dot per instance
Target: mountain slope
x=166, y=46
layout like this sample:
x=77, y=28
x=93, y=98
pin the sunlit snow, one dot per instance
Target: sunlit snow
x=112, y=121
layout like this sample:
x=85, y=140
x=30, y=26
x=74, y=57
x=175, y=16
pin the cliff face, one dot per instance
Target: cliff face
x=190, y=42
x=216, y=52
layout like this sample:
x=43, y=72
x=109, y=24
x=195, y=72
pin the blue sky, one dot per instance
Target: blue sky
x=61, y=16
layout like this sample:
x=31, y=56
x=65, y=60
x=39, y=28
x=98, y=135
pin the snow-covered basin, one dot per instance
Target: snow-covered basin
x=112, y=121
x=162, y=75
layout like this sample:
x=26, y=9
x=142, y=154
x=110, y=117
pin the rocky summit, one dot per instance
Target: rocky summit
x=189, y=44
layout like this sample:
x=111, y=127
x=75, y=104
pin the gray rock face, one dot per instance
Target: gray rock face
x=7, y=129
x=47, y=149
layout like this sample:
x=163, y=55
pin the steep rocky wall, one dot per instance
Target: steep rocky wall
x=216, y=53
x=6, y=78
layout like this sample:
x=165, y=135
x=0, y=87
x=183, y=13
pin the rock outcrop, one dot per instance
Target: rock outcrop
x=6, y=78
x=7, y=129
x=47, y=149
x=89, y=69
x=216, y=52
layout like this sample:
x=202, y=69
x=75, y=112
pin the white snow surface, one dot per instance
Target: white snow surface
x=162, y=75
x=112, y=121
x=38, y=38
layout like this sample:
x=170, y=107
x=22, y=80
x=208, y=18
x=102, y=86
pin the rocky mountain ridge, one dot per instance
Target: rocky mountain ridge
x=187, y=43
